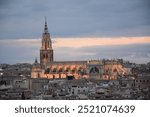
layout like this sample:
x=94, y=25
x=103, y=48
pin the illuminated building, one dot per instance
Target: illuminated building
x=94, y=69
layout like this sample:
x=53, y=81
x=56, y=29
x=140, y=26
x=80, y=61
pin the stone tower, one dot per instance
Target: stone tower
x=46, y=51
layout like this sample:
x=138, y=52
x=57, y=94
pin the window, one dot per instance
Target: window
x=43, y=56
x=60, y=70
x=94, y=70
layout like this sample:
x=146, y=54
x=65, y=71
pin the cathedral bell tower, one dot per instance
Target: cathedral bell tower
x=46, y=51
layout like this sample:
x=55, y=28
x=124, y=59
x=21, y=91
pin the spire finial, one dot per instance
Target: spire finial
x=45, y=28
x=45, y=21
x=36, y=60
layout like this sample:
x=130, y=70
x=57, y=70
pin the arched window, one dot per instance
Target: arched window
x=43, y=56
x=60, y=70
x=47, y=70
x=55, y=69
x=67, y=69
x=94, y=70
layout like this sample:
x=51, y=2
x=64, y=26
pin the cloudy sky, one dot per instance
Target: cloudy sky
x=80, y=29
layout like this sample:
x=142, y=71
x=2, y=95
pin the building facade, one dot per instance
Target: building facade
x=94, y=69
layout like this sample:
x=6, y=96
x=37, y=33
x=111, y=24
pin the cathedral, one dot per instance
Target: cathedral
x=93, y=69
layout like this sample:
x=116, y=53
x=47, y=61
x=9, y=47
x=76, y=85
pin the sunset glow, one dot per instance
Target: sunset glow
x=78, y=42
x=82, y=42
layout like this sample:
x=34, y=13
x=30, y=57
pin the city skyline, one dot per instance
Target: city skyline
x=79, y=30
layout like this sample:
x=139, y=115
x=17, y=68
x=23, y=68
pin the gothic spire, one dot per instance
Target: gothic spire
x=45, y=28
x=36, y=60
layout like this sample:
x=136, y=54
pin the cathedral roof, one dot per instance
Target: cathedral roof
x=67, y=62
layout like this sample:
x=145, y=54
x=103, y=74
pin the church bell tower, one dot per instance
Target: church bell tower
x=46, y=51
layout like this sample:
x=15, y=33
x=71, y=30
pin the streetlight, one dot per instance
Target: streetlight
x=2, y=81
x=1, y=75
